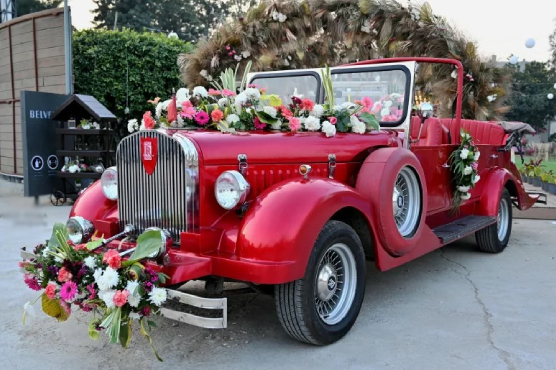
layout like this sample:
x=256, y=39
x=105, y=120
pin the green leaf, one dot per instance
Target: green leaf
x=148, y=243
x=125, y=333
x=266, y=118
x=152, y=323
x=94, y=244
x=370, y=120
x=53, y=308
x=58, y=227
x=93, y=332
x=146, y=335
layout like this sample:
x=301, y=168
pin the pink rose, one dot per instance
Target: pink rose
x=217, y=115
x=50, y=291
x=307, y=105
x=149, y=121
x=113, y=259
x=64, y=275
x=120, y=298
x=332, y=120
x=295, y=124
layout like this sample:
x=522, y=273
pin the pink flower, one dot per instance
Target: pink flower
x=146, y=311
x=367, y=104
x=295, y=124
x=228, y=47
x=187, y=110
x=202, y=118
x=214, y=92
x=285, y=111
x=80, y=247
x=394, y=111
x=50, y=291
x=254, y=86
x=31, y=281
x=85, y=307
x=92, y=290
x=307, y=105
x=149, y=121
x=258, y=124
x=64, y=275
x=263, y=90
x=377, y=108
x=120, y=298
x=113, y=259
x=474, y=166
x=226, y=92
x=332, y=120
x=66, y=307
x=217, y=115
x=68, y=291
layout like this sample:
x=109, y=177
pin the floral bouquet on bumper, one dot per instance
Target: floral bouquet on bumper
x=116, y=291
x=465, y=166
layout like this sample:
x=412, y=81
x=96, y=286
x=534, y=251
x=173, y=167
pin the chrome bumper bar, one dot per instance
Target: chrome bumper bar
x=185, y=298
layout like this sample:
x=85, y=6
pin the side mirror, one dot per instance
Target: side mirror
x=426, y=110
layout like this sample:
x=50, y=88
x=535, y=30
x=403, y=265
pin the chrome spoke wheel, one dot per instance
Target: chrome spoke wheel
x=406, y=201
x=503, y=217
x=336, y=282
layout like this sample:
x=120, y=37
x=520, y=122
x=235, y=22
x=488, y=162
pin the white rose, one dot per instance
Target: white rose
x=328, y=128
x=132, y=125
x=200, y=91
x=476, y=179
x=232, y=118
x=271, y=111
x=465, y=196
x=464, y=153
x=317, y=111
x=476, y=155
x=357, y=126
x=181, y=96
x=385, y=112
x=277, y=125
x=463, y=189
x=312, y=123
x=252, y=93
x=467, y=170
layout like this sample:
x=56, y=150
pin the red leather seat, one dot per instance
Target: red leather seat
x=483, y=133
x=432, y=134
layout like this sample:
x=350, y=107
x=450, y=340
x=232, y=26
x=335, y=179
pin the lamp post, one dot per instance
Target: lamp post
x=67, y=43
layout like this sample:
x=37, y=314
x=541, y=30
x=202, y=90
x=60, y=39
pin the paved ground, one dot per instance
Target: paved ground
x=452, y=309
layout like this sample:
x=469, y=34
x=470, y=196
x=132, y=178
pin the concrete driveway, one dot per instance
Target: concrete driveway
x=456, y=308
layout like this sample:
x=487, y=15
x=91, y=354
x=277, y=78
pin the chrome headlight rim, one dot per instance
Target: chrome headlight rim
x=103, y=179
x=82, y=228
x=243, y=188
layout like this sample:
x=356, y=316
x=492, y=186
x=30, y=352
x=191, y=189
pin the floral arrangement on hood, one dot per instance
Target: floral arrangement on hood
x=389, y=107
x=465, y=167
x=98, y=280
x=229, y=108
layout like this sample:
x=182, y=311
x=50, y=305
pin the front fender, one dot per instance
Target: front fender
x=497, y=179
x=284, y=222
x=95, y=207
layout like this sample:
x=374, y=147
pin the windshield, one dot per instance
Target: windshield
x=286, y=86
x=384, y=90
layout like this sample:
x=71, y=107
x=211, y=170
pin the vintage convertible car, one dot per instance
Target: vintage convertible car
x=299, y=214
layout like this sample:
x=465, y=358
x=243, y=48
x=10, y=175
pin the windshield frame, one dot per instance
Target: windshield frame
x=292, y=73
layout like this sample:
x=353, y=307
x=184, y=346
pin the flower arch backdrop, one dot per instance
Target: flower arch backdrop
x=292, y=34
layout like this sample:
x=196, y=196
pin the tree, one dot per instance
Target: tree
x=552, y=40
x=529, y=102
x=33, y=6
x=189, y=19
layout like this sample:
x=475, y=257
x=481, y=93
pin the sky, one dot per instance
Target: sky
x=500, y=27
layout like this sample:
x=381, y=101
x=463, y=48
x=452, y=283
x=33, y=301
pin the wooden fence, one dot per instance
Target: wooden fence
x=32, y=57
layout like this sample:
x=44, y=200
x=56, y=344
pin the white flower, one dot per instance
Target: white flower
x=97, y=274
x=252, y=93
x=180, y=121
x=329, y=129
x=204, y=73
x=134, y=316
x=395, y=95
x=277, y=125
x=237, y=57
x=29, y=309
x=173, y=35
x=454, y=73
x=240, y=100
x=246, y=53
x=465, y=196
x=312, y=124
x=108, y=297
x=174, y=124
x=90, y=262
x=131, y=286
x=109, y=279
x=96, y=125
x=200, y=91
x=133, y=300
x=157, y=296
x=296, y=94
x=58, y=259
x=464, y=153
x=467, y=170
x=277, y=16
x=463, y=189
x=476, y=155
x=232, y=118
x=388, y=103
x=317, y=111
x=132, y=125
x=181, y=96
x=476, y=179
x=222, y=102
x=86, y=126
x=157, y=111
x=271, y=111
x=74, y=168
x=45, y=252
x=357, y=126
x=385, y=112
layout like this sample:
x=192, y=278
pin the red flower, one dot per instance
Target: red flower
x=113, y=259
x=64, y=275
x=149, y=121
x=146, y=311
x=307, y=105
x=217, y=115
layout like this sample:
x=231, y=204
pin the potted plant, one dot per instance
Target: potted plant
x=552, y=185
x=537, y=176
x=544, y=180
x=523, y=174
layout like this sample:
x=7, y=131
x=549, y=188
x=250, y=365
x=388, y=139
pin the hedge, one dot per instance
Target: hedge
x=102, y=58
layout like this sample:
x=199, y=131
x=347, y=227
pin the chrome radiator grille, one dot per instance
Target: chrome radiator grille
x=168, y=198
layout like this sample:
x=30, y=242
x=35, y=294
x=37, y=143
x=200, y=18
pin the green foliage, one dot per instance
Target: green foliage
x=102, y=60
x=33, y=6
x=148, y=244
x=53, y=308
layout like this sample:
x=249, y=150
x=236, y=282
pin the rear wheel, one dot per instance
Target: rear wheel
x=322, y=307
x=495, y=238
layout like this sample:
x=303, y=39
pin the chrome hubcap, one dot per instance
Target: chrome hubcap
x=503, y=219
x=406, y=201
x=336, y=282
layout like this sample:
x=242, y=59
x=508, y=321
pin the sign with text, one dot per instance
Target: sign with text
x=40, y=142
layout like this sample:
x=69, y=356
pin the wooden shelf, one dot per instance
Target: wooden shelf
x=80, y=175
x=77, y=131
x=83, y=153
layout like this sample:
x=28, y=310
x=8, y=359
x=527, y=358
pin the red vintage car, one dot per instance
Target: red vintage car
x=298, y=214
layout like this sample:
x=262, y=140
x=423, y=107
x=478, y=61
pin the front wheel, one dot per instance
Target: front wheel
x=495, y=238
x=322, y=307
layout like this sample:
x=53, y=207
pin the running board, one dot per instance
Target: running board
x=458, y=229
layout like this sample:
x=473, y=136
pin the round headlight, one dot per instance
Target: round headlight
x=231, y=189
x=165, y=236
x=109, y=183
x=79, y=229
